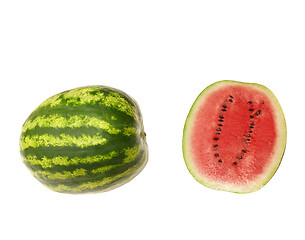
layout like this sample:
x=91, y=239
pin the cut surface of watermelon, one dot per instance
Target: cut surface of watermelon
x=234, y=136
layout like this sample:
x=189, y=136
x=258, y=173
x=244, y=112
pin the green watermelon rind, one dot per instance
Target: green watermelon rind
x=114, y=126
x=280, y=149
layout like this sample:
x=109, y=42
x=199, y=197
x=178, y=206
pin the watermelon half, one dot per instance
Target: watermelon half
x=234, y=136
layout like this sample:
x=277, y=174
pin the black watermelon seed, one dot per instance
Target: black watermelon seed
x=231, y=96
x=218, y=133
x=218, y=129
x=251, y=127
x=216, y=155
x=223, y=110
x=224, y=106
x=258, y=112
x=220, y=120
x=220, y=161
x=216, y=145
x=247, y=139
x=216, y=139
x=220, y=125
x=251, y=109
x=252, y=123
x=248, y=135
x=250, y=131
x=230, y=100
x=250, y=102
x=244, y=151
x=240, y=157
x=235, y=163
x=221, y=116
x=251, y=116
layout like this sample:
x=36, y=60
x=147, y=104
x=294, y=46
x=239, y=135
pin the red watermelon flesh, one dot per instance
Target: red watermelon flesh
x=234, y=136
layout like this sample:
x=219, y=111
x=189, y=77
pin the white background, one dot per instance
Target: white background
x=162, y=53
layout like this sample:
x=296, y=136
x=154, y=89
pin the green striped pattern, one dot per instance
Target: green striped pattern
x=88, y=139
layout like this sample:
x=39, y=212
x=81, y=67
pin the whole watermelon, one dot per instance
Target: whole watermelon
x=88, y=139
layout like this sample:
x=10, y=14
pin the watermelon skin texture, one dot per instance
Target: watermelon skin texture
x=234, y=137
x=85, y=140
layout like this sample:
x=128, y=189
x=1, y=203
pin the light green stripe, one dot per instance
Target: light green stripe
x=83, y=96
x=105, y=168
x=58, y=121
x=131, y=154
x=61, y=175
x=65, y=161
x=128, y=131
x=62, y=140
